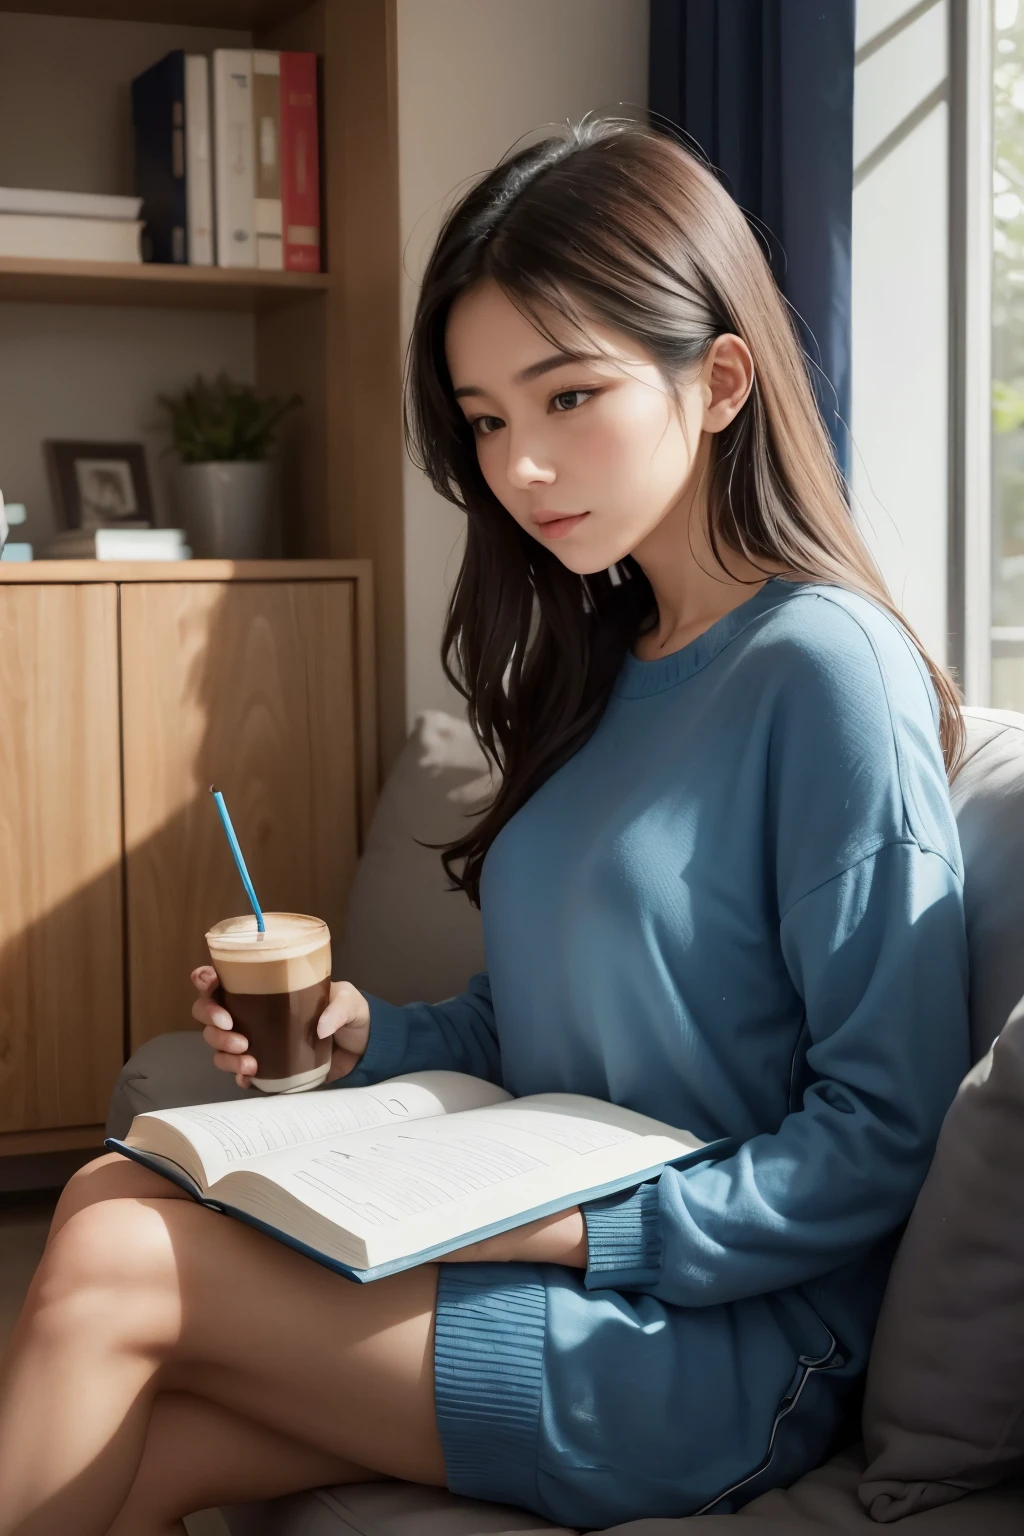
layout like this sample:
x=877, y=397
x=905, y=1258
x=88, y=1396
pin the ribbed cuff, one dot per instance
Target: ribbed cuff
x=623, y=1240
x=385, y=1050
x=488, y=1377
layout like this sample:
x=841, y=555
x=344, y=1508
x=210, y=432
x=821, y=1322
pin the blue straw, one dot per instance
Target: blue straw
x=222, y=810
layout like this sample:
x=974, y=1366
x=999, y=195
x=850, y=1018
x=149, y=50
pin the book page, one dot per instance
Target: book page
x=241, y=1131
x=408, y=1188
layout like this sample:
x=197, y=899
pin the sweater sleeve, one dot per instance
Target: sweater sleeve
x=457, y=1035
x=878, y=955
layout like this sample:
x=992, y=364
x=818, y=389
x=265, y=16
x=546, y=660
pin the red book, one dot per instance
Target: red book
x=300, y=170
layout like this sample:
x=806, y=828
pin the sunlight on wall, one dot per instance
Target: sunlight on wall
x=899, y=458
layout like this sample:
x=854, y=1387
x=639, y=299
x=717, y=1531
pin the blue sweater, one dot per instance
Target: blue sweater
x=738, y=908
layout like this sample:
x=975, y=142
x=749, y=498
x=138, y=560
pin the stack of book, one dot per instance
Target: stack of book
x=130, y=541
x=73, y=226
x=227, y=159
x=11, y=516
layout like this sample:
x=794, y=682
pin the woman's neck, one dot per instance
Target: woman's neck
x=691, y=589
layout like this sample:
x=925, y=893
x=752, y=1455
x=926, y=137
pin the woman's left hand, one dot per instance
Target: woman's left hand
x=558, y=1239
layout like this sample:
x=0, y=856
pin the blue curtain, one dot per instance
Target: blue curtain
x=765, y=87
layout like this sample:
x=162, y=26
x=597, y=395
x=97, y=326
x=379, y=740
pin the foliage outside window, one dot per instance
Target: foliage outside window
x=1008, y=353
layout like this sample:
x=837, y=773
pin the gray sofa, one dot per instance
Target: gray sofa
x=406, y=939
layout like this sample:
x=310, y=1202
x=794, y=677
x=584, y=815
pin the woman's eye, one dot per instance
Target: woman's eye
x=485, y=425
x=575, y=397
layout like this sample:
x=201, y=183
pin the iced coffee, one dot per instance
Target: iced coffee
x=275, y=985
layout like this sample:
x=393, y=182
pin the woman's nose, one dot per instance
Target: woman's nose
x=526, y=469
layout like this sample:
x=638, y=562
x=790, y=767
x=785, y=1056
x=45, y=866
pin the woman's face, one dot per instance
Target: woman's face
x=588, y=454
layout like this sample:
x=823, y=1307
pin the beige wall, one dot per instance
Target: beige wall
x=473, y=77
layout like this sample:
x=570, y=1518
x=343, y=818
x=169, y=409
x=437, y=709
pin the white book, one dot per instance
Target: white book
x=198, y=164
x=369, y=1181
x=55, y=237
x=72, y=205
x=118, y=544
x=266, y=146
x=234, y=187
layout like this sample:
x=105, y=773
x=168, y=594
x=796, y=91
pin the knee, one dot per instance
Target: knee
x=109, y=1273
x=111, y=1177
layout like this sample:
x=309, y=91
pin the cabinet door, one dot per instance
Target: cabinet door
x=61, y=953
x=248, y=686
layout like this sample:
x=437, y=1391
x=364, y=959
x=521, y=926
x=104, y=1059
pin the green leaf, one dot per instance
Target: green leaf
x=221, y=420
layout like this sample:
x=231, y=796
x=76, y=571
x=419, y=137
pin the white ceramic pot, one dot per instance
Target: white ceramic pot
x=229, y=510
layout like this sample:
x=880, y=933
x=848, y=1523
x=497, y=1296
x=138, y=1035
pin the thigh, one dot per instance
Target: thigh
x=347, y=1368
x=199, y=1455
x=234, y=1317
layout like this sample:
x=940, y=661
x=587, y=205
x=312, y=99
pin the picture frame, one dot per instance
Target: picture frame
x=99, y=485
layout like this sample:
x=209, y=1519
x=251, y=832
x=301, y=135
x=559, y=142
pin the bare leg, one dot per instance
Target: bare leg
x=138, y=1296
x=199, y=1456
x=110, y=1177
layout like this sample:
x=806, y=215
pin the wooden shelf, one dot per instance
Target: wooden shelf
x=246, y=15
x=47, y=572
x=34, y=280
x=74, y=1138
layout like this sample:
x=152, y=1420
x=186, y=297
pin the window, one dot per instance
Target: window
x=1007, y=356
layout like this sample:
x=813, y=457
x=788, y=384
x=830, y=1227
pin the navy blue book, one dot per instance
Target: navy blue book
x=369, y=1181
x=158, y=121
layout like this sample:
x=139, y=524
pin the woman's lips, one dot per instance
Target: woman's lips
x=558, y=527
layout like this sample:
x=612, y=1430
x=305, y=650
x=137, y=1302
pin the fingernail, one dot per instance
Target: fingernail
x=323, y=1029
x=221, y=1019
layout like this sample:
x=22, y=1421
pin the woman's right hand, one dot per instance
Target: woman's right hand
x=346, y=1017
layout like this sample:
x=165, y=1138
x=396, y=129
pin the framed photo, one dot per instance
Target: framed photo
x=99, y=485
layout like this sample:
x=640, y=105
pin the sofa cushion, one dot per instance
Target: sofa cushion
x=824, y=1503
x=381, y=1509
x=165, y=1073
x=944, y=1405
x=988, y=799
x=408, y=938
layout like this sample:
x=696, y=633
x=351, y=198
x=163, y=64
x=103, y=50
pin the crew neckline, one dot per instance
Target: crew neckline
x=638, y=679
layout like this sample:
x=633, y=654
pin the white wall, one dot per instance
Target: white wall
x=899, y=405
x=473, y=77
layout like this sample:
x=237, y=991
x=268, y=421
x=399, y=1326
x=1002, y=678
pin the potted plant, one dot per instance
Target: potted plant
x=226, y=487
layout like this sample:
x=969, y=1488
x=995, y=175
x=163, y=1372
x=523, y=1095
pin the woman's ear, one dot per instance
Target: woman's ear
x=727, y=377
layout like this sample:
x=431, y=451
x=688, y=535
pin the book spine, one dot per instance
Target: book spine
x=158, y=121
x=232, y=158
x=198, y=170
x=266, y=148
x=300, y=163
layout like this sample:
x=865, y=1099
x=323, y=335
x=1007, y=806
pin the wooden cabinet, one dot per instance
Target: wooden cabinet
x=61, y=930
x=249, y=687
x=121, y=701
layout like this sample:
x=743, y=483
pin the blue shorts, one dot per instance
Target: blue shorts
x=592, y=1408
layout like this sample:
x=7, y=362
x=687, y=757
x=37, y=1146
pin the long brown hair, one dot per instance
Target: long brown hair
x=611, y=222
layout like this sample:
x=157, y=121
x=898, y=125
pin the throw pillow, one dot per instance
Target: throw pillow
x=944, y=1403
x=408, y=937
x=988, y=799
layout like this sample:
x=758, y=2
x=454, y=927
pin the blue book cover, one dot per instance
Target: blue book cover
x=158, y=122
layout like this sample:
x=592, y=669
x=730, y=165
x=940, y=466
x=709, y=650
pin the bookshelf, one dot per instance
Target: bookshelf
x=28, y=280
x=334, y=336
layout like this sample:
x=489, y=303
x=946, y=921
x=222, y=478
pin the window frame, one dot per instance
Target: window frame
x=969, y=602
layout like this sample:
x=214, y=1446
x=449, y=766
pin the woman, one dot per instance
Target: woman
x=720, y=884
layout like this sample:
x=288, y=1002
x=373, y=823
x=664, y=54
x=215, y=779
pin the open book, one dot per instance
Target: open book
x=369, y=1181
